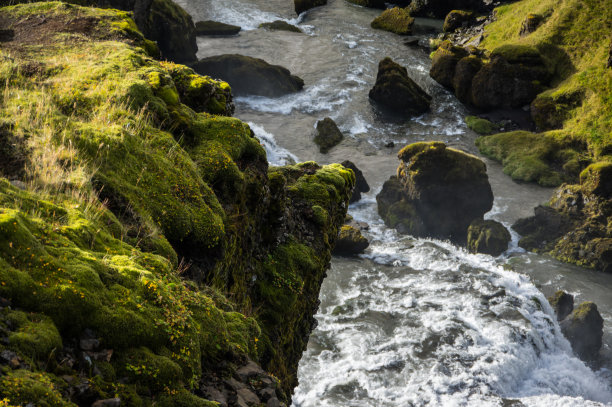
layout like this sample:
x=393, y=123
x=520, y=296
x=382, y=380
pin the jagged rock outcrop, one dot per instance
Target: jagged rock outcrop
x=583, y=328
x=209, y=27
x=488, y=237
x=438, y=192
x=361, y=185
x=90, y=277
x=250, y=76
x=350, y=241
x=562, y=303
x=396, y=20
x=327, y=135
x=396, y=91
x=575, y=226
x=305, y=5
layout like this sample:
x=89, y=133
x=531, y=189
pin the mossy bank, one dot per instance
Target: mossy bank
x=146, y=248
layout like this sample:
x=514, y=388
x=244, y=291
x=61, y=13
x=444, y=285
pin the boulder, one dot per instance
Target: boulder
x=396, y=91
x=562, y=303
x=215, y=28
x=280, y=25
x=397, y=20
x=328, y=135
x=480, y=125
x=583, y=328
x=350, y=241
x=369, y=3
x=530, y=24
x=361, y=185
x=465, y=70
x=438, y=192
x=540, y=231
x=456, y=19
x=250, y=76
x=444, y=62
x=304, y=5
x=488, y=237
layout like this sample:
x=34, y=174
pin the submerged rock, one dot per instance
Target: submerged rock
x=488, y=237
x=250, y=76
x=328, y=135
x=562, y=303
x=397, y=20
x=438, y=192
x=280, y=25
x=361, y=185
x=583, y=328
x=216, y=28
x=396, y=91
x=350, y=241
x=304, y=5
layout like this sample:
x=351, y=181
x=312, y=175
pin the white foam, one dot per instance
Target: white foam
x=276, y=154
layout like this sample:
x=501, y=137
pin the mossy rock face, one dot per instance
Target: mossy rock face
x=369, y=3
x=530, y=24
x=562, y=303
x=328, y=134
x=395, y=90
x=428, y=176
x=24, y=387
x=583, y=328
x=596, y=180
x=455, y=19
x=444, y=62
x=36, y=336
x=488, y=237
x=250, y=76
x=280, y=25
x=465, y=70
x=305, y=5
x=350, y=241
x=480, y=125
x=209, y=27
x=397, y=20
x=550, y=112
x=361, y=185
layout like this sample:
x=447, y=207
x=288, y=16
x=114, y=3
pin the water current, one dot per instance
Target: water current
x=412, y=322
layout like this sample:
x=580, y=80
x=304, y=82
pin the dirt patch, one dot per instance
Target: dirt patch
x=13, y=153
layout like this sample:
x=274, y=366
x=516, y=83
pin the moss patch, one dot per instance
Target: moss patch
x=397, y=20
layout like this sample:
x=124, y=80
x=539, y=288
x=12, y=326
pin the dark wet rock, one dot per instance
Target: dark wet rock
x=444, y=63
x=396, y=91
x=304, y=5
x=412, y=42
x=455, y=19
x=328, y=134
x=488, y=237
x=396, y=20
x=530, y=24
x=440, y=8
x=280, y=25
x=541, y=230
x=562, y=303
x=248, y=396
x=114, y=402
x=250, y=76
x=89, y=344
x=583, y=328
x=465, y=70
x=369, y=3
x=361, y=185
x=250, y=370
x=216, y=28
x=350, y=241
x=438, y=192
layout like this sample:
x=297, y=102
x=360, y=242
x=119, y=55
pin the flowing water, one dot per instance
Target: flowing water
x=411, y=322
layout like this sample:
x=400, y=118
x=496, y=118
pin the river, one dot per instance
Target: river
x=411, y=322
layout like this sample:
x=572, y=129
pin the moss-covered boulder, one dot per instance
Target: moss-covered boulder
x=361, y=185
x=530, y=24
x=397, y=20
x=395, y=90
x=562, y=303
x=480, y=125
x=369, y=3
x=250, y=76
x=438, y=192
x=583, y=328
x=305, y=5
x=465, y=70
x=455, y=19
x=549, y=110
x=596, y=180
x=444, y=62
x=209, y=27
x=327, y=135
x=488, y=237
x=350, y=241
x=280, y=25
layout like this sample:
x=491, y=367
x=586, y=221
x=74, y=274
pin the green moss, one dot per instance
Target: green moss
x=183, y=399
x=479, y=125
x=22, y=387
x=35, y=337
x=397, y=20
x=147, y=369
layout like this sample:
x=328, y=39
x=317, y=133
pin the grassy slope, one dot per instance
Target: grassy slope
x=94, y=123
x=574, y=41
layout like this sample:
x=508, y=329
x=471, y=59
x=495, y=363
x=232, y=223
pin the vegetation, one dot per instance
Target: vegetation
x=397, y=20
